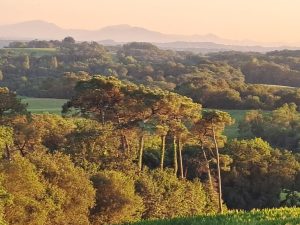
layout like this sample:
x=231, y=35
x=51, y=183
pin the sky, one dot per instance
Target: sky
x=257, y=20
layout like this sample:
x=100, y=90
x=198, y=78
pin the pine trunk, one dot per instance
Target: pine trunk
x=127, y=144
x=175, y=156
x=219, y=170
x=7, y=152
x=102, y=117
x=208, y=169
x=123, y=143
x=163, y=150
x=180, y=146
x=141, y=150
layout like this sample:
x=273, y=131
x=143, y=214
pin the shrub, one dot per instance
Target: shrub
x=165, y=196
x=116, y=200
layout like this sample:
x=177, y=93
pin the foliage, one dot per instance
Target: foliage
x=93, y=142
x=220, y=80
x=116, y=200
x=280, y=127
x=289, y=198
x=6, y=138
x=30, y=204
x=129, y=146
x=258, y=174
x=165, y=196
x=9, y=103
x=68, y=187
x=46, y=189
x=5, y=199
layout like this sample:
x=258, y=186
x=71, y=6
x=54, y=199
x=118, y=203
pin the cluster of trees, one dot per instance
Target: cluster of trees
x=279, y=127
x=256, y=162
x=40, y=43
x=215, y=81
x=277, y=67
x=125, y=152
x=270, y=72
x=91, y=169
x=259, y=175
x=55, y=73
x=126, y=148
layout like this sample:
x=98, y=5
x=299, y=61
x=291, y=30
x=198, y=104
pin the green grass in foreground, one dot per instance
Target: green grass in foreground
x=284, y=216
x=44, y=105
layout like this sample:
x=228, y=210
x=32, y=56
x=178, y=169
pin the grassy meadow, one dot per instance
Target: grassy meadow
x=284, y=216
x=44, y=105
x=238, y=115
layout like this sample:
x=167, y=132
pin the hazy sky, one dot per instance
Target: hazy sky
x=259, y=20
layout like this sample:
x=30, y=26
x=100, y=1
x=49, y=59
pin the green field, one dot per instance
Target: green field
x=284, y=216
x=37, y=52
x=238, y=115
x=44, y=105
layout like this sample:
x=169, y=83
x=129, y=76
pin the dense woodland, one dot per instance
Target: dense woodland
x=229, y=80
x=138, y=142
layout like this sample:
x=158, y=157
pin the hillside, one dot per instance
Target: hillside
x=226, y=80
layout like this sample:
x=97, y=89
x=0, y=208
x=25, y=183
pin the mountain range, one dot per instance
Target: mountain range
x=113, y=35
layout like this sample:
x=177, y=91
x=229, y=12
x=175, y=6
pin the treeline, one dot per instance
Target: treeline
x=277, y=67
x=125, y=152
x=40, y=43
x=280, y=127
x=215, y=81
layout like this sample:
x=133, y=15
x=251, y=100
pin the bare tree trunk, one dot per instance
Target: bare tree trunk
x=126, y=143
x=123, y=143
x=219, y=170
x=8, y=156
x=208, y=168
x=180, y=146
x=163, y=150
x=22, y=153
x=21, y=148
x=90, y=148
x=102, y=117
x=186, y=171
x=175, y=155
x=93, y=146
x=141, y=150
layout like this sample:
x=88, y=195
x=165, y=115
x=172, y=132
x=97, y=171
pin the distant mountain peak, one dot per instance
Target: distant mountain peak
x=122, y=33
x=118, y=26
x=125, y=27
x=36, y=23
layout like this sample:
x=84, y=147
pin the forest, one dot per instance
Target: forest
x=141, y=135
x=228, y=80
